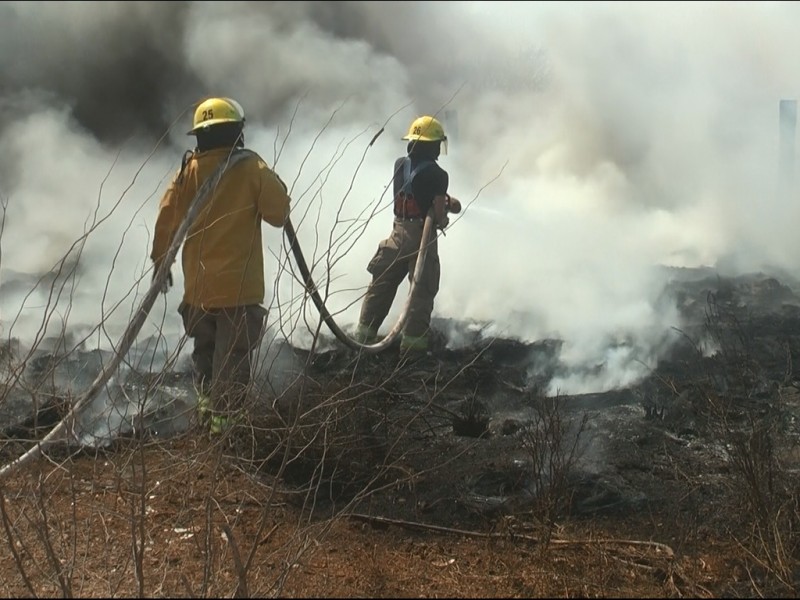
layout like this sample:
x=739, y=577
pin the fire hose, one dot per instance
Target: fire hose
x=68, y=423
x=311, y=289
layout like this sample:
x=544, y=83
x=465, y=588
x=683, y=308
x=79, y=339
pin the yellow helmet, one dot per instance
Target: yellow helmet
x=214, y=111
x=426, y=129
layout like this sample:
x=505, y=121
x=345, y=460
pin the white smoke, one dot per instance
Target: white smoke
x=591, y=143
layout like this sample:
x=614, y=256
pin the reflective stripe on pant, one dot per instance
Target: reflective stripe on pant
x=393, y=262
x=366, y=334
x=413, y=342
x=224, y=341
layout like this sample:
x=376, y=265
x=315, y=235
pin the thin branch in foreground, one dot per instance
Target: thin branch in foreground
x=657, y=546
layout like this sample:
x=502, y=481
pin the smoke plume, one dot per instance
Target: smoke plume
x=590, y=142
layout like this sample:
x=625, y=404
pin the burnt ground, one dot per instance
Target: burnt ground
x=454, y=476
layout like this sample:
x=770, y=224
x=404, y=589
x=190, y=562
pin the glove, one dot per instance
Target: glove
x=167, y=282
x=453, y=205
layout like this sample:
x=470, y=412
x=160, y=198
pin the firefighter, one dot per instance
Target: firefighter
x=222, y=257
x=419, y=185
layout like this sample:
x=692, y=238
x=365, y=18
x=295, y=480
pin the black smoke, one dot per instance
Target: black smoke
x=130, y=69
x=117, y=66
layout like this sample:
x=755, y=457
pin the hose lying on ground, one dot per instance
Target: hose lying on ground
x=67, y=424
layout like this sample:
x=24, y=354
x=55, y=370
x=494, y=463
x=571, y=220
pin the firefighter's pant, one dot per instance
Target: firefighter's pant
x=224, y=342
x=394, y=261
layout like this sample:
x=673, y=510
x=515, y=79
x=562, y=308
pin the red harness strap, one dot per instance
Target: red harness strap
x=405, y=204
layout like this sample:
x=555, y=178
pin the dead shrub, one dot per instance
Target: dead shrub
x=551, y=444
x=747, y=418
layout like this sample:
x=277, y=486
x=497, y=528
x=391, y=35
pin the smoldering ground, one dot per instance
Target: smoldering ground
x=590, y=142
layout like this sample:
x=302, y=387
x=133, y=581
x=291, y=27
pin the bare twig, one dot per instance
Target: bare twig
x=10, y=539
x=657, y=546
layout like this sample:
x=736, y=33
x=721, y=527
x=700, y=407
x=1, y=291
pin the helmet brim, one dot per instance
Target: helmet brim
x=423, y=138
x=211, y=123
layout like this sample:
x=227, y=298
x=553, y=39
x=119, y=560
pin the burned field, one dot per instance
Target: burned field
x=682, y=484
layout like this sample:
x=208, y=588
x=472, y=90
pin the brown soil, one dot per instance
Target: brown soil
x=453, y=477
x=100, y=522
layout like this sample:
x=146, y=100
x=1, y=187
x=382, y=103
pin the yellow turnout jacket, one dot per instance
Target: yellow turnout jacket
x=223, y=257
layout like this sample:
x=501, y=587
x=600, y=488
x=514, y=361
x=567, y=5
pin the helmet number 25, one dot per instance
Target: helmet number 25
x=208, y=114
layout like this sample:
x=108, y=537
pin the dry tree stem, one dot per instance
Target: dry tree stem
x=241, y=571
